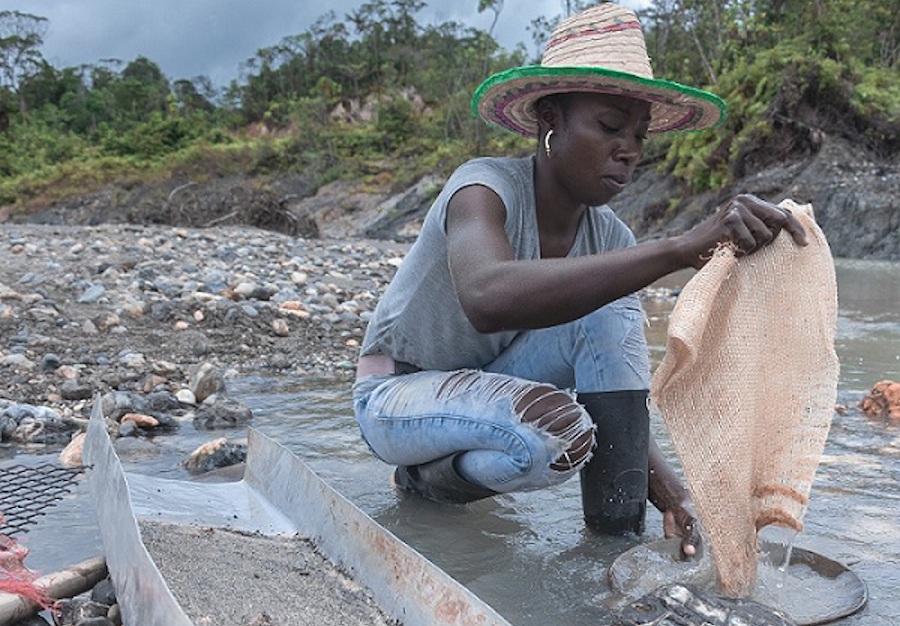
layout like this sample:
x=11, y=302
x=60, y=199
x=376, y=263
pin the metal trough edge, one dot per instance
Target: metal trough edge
x=406, y=585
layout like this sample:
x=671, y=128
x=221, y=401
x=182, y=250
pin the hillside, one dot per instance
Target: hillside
x=854, y=196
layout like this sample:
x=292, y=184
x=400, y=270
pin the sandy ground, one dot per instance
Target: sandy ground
x=238, y=579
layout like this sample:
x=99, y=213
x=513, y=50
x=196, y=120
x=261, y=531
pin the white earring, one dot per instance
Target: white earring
x=547, y=142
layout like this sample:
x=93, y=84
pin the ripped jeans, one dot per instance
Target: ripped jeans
x=517, y=419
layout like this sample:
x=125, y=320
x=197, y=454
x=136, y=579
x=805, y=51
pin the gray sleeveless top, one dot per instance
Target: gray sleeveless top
x=419, y=319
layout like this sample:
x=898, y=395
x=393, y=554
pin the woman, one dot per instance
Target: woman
x=508, y=352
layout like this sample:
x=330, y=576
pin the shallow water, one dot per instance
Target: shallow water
x=528, y=555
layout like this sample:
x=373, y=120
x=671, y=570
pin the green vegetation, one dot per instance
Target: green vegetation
x=377, y=97
x=787, y=84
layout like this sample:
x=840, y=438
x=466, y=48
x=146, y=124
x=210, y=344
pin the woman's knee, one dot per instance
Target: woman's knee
x=556, y=413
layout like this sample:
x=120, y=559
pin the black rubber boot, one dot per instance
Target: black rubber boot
x=439, y=480
x=614, y=482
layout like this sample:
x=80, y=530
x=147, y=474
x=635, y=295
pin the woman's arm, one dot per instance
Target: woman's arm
x=499, y=292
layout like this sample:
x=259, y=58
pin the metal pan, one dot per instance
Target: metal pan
x=813, y=589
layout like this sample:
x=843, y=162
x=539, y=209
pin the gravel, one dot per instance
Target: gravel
x=86, y=309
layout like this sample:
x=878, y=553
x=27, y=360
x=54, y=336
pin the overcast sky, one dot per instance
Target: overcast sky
x=188, y=38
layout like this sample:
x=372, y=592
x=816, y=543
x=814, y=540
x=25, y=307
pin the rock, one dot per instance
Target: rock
x=206, y=381
x=163, y=368
x=129, y=429
x=855, y=204
x=162, y=401
x=201, y=347
x=104, y=592
x=132, y=360
x=115, y=404
x=245, y=290
x=76, y=611
x=883, y=400
x=37, y=425
x=215, y=454
x=140, y=420
x=106, y=321
x=66, y=372
x=18, y=361
x=394, y=216
x=92, y=294
x=50, y=362
x=280, y=327
x=7, y=427
x=219, y=411
x=301, y=312
x=73, y=390
x=152, y=381
x=71, y=456
x=186, y=396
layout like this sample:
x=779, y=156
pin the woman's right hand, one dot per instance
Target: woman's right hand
x=746, y=222
x=681, y=521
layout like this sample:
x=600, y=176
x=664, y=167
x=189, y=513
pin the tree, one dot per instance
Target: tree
x=496, y=6
x=686, y=38
x=142, y=91
x=189, y=98
x=368, y=21
x=21, y=34
x=403, y=36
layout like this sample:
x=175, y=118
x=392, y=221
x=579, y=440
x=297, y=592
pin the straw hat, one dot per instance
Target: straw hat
x=599, y=50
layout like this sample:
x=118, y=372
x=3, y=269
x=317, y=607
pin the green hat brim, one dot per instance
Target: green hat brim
x=506, y=99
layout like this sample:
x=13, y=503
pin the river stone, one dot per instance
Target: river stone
x=206, y=381
x=115, y=404
x=73, y=390
x=50, y=362
x=219, y=411
x=162, y=401
x=128, y=428
x=7, y=427
x=92, y=294
x=215, y=454
x=186, y=396
x=104, y=592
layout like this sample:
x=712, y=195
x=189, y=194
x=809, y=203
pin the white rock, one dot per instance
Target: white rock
x=186, y=396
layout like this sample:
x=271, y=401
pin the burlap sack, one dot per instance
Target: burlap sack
x=747, y=390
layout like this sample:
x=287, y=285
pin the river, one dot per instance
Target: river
x=528, y=555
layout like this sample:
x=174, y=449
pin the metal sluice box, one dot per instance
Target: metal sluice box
x=277, y=496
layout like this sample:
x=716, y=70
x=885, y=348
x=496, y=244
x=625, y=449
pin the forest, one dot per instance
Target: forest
x=378, y=97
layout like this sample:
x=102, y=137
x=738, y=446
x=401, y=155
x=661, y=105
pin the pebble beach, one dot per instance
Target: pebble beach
x=122, y=307
x=129, y=313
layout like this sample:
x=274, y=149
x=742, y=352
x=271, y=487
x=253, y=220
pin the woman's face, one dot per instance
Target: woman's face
x=597, y=145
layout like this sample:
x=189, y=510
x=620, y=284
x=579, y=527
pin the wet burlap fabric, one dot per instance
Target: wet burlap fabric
x=747, y=390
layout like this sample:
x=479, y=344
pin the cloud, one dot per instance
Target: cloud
x=185, y=38
x=189, y=38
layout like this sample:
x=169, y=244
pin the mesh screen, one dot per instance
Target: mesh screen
x=747, y=390
x=27, y=492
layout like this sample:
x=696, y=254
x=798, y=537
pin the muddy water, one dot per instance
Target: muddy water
x=528, y=555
